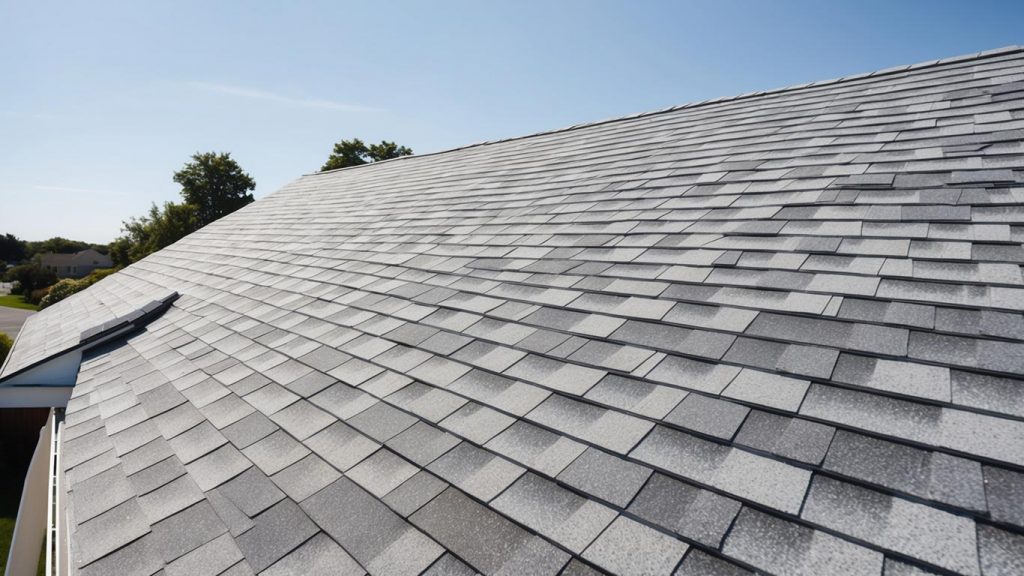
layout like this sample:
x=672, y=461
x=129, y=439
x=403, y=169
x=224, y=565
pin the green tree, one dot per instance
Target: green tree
x=212, y=185
x=5, y=346
x=120, y=250
x=387, y=150
x=59, y=245
x=355, y=153
x=174, y=223
x=30, y=277
x=157, y=230
x=215, y=185
x=12, y=249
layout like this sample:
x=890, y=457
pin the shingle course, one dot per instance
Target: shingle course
x=542, y=505
x=930, y=535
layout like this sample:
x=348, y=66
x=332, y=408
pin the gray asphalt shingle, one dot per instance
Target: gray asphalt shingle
x=930, y=535
x=776, y=545
x=554, y=512
x=687, y=510
x=489, y=542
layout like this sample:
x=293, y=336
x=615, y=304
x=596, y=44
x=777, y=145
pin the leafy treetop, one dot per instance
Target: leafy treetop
x=212, y=185
x=158, y=229
x=355, y=153
x=12, y=248
x=215, y=184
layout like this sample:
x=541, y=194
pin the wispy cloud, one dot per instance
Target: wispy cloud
x=68, y=189
x=29, y=115
x=254, y=94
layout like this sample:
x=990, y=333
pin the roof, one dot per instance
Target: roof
x=779, y=332
x=84, y=257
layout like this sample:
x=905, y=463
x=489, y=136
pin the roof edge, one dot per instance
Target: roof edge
x=94, y=336
x=1009, y=49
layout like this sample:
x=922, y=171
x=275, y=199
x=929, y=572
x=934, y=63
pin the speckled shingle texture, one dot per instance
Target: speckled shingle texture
x=780, y=332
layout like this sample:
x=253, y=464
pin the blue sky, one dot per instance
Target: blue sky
x=100, y=102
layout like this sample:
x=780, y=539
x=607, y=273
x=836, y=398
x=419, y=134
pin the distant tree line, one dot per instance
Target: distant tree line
x=20, y=262
x=14, y=249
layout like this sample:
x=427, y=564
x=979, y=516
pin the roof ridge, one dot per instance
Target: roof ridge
x=1009, y=49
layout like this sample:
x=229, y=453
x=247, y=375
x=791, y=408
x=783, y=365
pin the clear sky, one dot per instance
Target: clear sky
x=100, y=102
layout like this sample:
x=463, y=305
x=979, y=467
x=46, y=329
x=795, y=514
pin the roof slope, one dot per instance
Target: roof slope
x=780, y=332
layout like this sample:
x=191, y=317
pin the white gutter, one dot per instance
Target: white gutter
x=56, y=533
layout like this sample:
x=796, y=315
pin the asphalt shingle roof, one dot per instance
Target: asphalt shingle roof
x=779, y=332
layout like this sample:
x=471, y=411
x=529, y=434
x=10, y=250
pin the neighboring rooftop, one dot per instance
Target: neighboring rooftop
x=779, y=332
x=77, y=264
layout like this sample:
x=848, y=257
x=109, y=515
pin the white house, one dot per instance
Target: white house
x=75, y=265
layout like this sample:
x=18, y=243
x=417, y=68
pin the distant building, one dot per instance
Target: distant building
x=75, y=265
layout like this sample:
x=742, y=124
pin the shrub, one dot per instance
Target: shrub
x=60, y=291
x=99, y=274
x=69, y=286
x=28, y=278
x=36, y=296
x=5, y=346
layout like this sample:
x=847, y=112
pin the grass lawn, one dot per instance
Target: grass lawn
x=10, y=496
x=6, y=533
x=15, y=301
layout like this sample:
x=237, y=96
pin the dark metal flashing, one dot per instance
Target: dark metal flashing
x=120, y=326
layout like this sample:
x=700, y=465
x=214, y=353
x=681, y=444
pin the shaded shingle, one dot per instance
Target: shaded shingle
x=476, y=471
x=277, y=532
x=686, y=510
x=607, y=428
x=381, y=472
x=765, y=481
x=771, y=390
x=794, y=438
x=108, y=532
x=776, y=545
x=305, y=478
x=698, y=563
x=275, y=452
x=708, y=415
x=605, y=476
x=1005, y=492
x=341, y=445
x=1000, y=552
x=412, y=494
x=930, y=535
x=375, y=536
x=554, y=512
x=486, y=540
x=477, y=423
x=628, y=547
x=539, y=449
x=210, y=559
x=931, y=475
x=187, y=530
x=251, y=492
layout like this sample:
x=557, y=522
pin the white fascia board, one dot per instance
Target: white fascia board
x=35, y=396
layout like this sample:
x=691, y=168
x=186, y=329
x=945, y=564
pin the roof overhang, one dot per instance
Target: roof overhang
x=48, y=382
